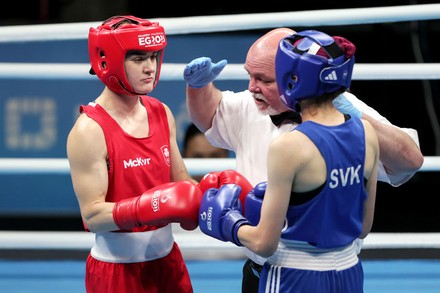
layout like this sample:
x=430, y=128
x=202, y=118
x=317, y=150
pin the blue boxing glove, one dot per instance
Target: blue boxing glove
x=253, y=203
x=219, y=213
x=345, y=106
x=202, y=71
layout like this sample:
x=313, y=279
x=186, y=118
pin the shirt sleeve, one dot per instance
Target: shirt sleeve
x=381, y=174
x=227, y=121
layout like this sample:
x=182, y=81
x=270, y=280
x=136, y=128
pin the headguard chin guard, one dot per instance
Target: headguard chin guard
x=110, y=42
x=310, y=63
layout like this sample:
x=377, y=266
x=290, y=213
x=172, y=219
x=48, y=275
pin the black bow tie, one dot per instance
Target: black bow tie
x=288, y=115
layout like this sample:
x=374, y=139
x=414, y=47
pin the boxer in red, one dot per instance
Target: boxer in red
x=128, y=175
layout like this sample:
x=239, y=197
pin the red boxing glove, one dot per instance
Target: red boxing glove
x=218, y=179
x=174, y=202
x=210, y=180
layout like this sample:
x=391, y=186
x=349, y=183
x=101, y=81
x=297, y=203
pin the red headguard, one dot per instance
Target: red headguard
x=110, y=42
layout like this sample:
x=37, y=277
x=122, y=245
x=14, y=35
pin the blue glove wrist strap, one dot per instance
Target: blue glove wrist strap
x=230, y=224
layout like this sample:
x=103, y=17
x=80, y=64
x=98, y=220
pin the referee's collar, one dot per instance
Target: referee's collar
x=286, y=116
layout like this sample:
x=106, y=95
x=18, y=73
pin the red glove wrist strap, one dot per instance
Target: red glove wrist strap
x=125, y=213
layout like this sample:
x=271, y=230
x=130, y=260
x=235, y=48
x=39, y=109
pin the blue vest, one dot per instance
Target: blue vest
x=334, y=217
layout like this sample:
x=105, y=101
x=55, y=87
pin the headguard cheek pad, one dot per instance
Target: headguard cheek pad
x=309, y=64
x=109, y=43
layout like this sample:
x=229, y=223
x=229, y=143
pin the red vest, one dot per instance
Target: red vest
x=135, y=164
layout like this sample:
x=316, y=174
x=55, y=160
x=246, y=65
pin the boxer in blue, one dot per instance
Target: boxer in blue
x=322, y=176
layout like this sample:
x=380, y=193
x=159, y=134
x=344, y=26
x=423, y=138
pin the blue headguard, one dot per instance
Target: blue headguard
x=303, y=72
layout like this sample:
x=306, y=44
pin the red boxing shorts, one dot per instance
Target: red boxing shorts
x=168, y=274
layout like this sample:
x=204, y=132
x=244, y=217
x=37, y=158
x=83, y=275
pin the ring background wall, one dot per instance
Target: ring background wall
x=47, y=201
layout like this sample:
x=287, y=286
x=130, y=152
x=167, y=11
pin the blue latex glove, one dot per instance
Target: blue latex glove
x=253, y=203
x=219, y=213
x=345, y=106
x=202, y=71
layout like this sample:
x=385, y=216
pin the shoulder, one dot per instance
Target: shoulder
x=234, y=103
x=292, y=143
x=85, y=137
x=85, y=127
x=237, y=97
x=370, y=134
x=367, y=126
x=292, y=152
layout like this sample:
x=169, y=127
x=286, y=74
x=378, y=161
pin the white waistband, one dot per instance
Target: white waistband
x=253, y=256
x=133, y=247
x=306, y=257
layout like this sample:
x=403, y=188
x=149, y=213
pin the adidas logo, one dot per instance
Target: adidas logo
x=331, y=76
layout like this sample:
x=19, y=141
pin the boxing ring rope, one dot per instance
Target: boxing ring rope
x=192, y=242
x=223, y=23
x=173, y=71
x=194, y=166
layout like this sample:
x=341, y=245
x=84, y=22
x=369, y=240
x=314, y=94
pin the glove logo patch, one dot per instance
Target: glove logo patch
x=209, y=219
x=166, y=197
x=155, y=205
